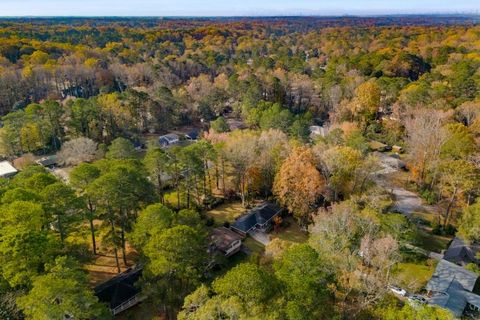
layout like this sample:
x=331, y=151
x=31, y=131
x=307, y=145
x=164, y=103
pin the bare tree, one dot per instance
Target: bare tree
x=357, y=253
x=469, y=112
x=76, y=151
x=425, y=138
x=241, y=150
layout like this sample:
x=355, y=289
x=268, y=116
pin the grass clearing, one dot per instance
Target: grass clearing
x=431, y=242
x=291, y=232
x=256, y=247
x=100, y=267
x=226, y=212
x=413, y=276
x=171, y=199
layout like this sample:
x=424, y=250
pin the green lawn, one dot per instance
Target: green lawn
x=171, y=199
x=226, y=212
x=254, y=246
x=413, y=276
x=291, y=233
x=431, y=242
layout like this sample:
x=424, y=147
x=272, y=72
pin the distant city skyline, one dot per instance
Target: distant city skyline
x=231, y=8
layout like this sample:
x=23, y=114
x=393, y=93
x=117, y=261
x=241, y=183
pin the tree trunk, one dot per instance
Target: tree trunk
x=449, y=207
x=223, y=176
x=124, y=250
x=92, y=231
x=92, y=227
x=60, y=230
x=242, y=190
x=177, y=185
x=188, y=194
x=208, y=177
x=115, y=251
x=160, y=188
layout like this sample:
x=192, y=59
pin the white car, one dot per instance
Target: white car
x=401, y=292
x=417, y=299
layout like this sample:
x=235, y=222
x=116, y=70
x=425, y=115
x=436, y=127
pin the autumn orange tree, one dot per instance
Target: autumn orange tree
x=298, y=184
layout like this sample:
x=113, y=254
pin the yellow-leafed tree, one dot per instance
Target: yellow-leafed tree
x=298, y=184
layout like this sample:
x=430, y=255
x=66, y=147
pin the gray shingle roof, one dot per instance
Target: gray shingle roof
x=168, y=139
x=446, y=272
x=119, y=289
x=460, y=252
x=258, y=215
x=451, y=286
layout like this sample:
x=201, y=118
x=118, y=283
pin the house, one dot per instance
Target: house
x=225, y=241
x=259, y=218
x=120, y=292
x=192, y=135
x=7, y=170
x=379, y=146
x=49, y=161
x=452, y=287
x=138, y=145
x=168, y=140
x=460, y=253
x=318, y=131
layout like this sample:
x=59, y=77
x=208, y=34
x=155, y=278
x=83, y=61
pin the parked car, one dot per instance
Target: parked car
x=417, y=299
x=398, y=291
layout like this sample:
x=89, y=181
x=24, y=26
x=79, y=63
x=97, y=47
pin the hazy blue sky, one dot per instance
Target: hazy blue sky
x=230, y=7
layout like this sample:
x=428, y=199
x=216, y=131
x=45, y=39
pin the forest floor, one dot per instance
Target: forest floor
x=100, y=267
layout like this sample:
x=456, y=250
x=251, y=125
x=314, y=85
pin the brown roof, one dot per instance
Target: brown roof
x=223, y=238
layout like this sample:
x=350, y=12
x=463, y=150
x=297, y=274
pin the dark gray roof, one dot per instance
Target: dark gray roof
x=259, y=215
x=48, y=161
x=446, y=272
x=460, y=252
x=168, y=138
x=451, y=286
x=119, y=289
x=193, y=135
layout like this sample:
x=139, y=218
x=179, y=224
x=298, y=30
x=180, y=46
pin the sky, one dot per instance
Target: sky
x=231, y=7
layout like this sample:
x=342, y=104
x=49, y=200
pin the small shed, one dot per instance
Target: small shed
x=168, y=139
x=192, y=135
x=48, y=161
x=461, y=253
x=318, y=131
x=226, y=241
x=7, y=170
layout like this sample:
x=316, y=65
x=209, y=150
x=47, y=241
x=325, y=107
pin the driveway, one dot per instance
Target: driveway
x=260, y=236
x=406, y=201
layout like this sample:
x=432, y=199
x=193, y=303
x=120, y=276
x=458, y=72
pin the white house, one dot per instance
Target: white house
x=168, y=139
x=7, y=170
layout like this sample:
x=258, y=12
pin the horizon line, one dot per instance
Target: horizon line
x=298, y=15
